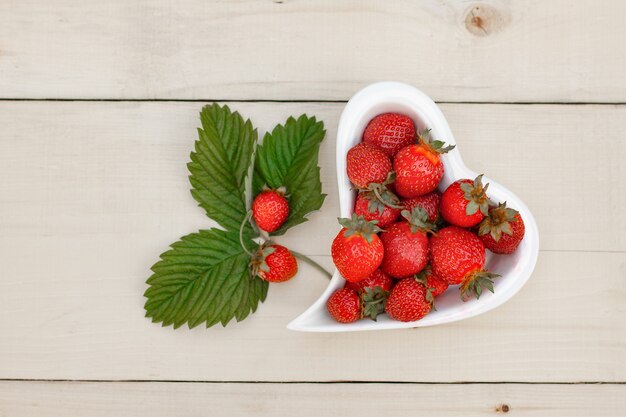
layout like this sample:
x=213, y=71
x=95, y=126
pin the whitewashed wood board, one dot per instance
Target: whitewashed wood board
x=93, y=192
x=495, y=50
x=70, y=399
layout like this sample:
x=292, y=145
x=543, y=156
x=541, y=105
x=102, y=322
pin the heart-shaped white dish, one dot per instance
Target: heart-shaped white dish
x=514, y=269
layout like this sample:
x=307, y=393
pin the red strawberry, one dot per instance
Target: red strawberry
x=367, y=164
x=436, y=285
x=377, y=279
x=384, y=210
x=357, y=250
x=274, y=263
x=458, y=257
x=465, y=202
x=344, y=305
x=406, y=244
x=429, y=202
x=390, y=132
x=270, y=210
x=418, y=167
x=502, y=230
x=408, y=301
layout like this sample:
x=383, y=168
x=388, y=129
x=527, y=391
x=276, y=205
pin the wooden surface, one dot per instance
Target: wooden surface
x=92, y=191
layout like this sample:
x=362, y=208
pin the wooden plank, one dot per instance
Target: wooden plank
x=41, y=399
x=91, y=193
x=92, y=171
x=531, y=51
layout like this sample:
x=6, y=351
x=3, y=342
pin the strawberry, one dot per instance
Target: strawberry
x=502, y=230
x=406, y=244
x=390, y=132
x=418, y=167
x=270, y=209
x=436, y=285
x=458, y=257
x=465, y=202
x=357, y=250
x=429, y=202
x=367, y=164
x=346, y=305
x=378, y=203
x=274, y=263
x=377, y=279
x=409, y=300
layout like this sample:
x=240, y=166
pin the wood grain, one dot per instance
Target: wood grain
x=41, y=399
x=496, y=50
x=91, y=193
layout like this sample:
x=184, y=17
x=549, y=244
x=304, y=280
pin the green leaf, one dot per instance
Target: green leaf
x=288, y=157
x=203, y=278
x=219, y=165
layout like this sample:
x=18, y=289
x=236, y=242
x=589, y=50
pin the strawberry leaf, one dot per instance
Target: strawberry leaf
x=289, y=157
x=204, y=277
x=219, y=165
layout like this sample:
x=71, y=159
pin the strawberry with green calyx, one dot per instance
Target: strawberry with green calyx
x=429, y=202
x=390, y=132
x=377, y=279
x=406, y=244
x=458, y=257
x=377, y=202
x=357, y=250
x=273, y=263
x=436, y=285
x=502, y=230
x=367, y=164
x=465, y=202
x=409, y=300
x=270, y=209
x=418, y=167
x=346, y=305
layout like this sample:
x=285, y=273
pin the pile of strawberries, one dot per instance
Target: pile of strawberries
x=406, y=242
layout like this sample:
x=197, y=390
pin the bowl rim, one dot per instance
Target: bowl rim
x=386, y=92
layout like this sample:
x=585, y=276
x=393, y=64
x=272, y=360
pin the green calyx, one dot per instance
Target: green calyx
x=258, y=262
x=475, y=283
x=358, y=226
x=498, y=221
x=437, y=146
x=373, y=302
x=418, y=220
x=476, y=195
x=380, y=196
x=422, y=278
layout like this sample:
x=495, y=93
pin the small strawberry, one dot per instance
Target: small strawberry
x=378, y=203
x=406, y=244
x=418, y=167
x=367, y=164
x=502, y=230
x=270, y=209
x=409, y=300
x=465, y=202
x=436, y=285
x=458, y=257
x=377, y=279
x=274, y=263
x=429, y=202
x=346, y=305
x=390, y=132
x=357, y=250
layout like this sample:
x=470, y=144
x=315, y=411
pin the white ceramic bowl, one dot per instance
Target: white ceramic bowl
x=514, y=269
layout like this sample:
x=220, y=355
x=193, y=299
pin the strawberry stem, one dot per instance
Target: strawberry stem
x=311, y=262
x=243, y=224
x=388, y=204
